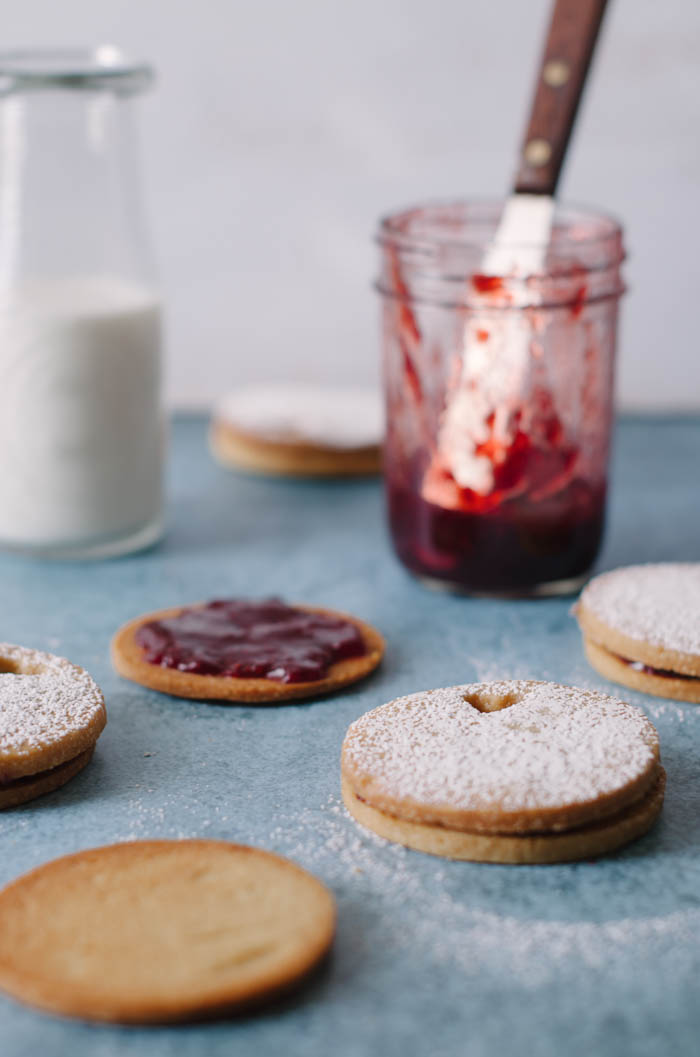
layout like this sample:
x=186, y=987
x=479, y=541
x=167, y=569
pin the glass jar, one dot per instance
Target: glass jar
x=81, y=434
x=498, y=398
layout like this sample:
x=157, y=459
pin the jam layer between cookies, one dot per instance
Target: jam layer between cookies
x=251, y=640
x=647, y=669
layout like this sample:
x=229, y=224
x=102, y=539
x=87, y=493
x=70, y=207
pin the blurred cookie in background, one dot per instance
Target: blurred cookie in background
x=292, y=430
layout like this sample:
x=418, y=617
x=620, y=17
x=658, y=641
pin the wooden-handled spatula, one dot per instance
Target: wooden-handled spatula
x=520, y=243
x=495, y=362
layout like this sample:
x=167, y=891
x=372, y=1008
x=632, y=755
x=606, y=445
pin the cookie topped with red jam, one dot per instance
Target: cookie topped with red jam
x=246, y=650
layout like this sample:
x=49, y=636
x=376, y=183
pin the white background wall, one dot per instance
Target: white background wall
x=281, y=129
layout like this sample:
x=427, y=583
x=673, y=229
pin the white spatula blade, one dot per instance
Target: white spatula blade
x=520, y=244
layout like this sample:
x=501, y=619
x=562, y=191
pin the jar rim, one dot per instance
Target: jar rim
x=103, y=68
x=395, y=227
x=435, y=253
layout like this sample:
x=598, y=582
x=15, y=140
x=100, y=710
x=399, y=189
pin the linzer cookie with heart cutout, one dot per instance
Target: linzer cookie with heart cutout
x=511, y=772
x=51, y=714
x=641, y=627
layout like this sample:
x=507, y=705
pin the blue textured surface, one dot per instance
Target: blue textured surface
x=432, y=958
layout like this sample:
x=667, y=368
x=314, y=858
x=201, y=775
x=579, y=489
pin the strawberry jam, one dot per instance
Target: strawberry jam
x=661, y=673
x=251, y=640
x=498, y=378
x=497, y=543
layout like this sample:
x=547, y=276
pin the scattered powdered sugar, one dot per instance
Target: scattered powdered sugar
x=416, y=913
x=656, y=603
x=42, y=698
x=552, y=747
x=522, y=944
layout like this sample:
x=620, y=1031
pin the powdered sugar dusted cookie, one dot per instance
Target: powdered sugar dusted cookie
x=585, y=842
x=158, y=931
x=12, y=794
x=51, y=712
x=505, y=760
x=299, y=430
x=641, y=627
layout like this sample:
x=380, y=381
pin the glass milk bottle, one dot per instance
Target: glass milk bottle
x=81, y=434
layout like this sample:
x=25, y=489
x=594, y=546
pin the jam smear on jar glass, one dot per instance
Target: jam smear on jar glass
x=251, y=640
x=498, y=399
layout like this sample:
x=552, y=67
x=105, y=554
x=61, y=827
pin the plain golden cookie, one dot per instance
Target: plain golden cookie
x=510, y=757
x=51, y=711
x=127, y=657
x=641, y=627
x=160, y=931
x=12, y=794
x=587, y=842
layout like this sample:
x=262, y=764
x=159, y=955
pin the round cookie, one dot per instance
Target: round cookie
x=161, y=931
x=127, y=657
x=586, y=842
x=637, y=677
x=30, y=787
x=512, y=759
x=299, y=430
x=641, y=627
x=51, y=712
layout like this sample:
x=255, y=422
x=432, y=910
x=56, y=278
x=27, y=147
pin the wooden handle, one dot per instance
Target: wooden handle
x=571, y=40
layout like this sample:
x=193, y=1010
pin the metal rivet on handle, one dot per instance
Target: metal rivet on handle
x=537, y=152
x=556, y=73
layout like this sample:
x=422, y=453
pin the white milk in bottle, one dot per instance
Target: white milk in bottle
x=80, y=419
